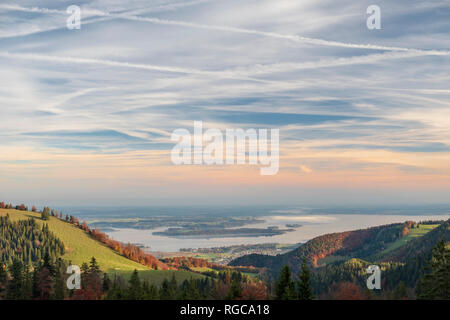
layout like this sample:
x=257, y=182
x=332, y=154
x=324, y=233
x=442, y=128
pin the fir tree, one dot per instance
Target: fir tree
x=305, y=291
x=400, y=292
x=45, y=214
x=285, y=286
x=93, y=266
x=3, y=279
x=149, y=292
x=168, y=290
x=106, y=284
x=16, y=283
x=190, y=290
x=235, y=289
x=134, y=289
x=435, y=285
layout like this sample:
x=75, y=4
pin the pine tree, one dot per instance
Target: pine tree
x=45, y=214
x=400, y=292
x=116, y=292
x=149, y=292
x=27, y=287
x=190, y=290
x=173, y=286
x=134, y=289
x=60, y=285
x=93, y=266
x=168, y=290
x=436, y=285
x=235, y=289
x=285, y=286
x=48, y=264
x=17, y=280
x=3, y=279
x=305, y=291
x=106, y=284
x=35, y=283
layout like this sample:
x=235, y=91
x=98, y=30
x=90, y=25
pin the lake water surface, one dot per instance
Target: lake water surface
x=312, y=226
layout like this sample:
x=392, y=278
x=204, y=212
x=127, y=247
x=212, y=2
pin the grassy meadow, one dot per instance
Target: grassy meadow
x=80, y=247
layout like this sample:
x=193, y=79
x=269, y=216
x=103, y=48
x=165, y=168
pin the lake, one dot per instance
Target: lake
x=312, y=226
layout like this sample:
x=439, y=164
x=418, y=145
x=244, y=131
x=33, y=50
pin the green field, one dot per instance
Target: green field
x=412, y=234
x=81, y=247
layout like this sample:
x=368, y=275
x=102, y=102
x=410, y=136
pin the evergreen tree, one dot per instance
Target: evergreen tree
x=149, y=292
x=17, y=281
x=27, y=287
x=60, y=285
x=285, y=286
x=48, y=264
x=305, y=291
x=35, y=283
x=45, y=214
x=190, y=290
x=134, y=289
x=106, y=284
x=116, y=292
x=93, y=266
x=436, y=285
x=400, y=292
x=3, y=279
x=235, y=289
x=168, y=290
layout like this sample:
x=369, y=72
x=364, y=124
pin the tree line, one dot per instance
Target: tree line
x=47, y=280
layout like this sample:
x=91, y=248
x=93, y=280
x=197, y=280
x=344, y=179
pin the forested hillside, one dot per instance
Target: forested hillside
x=401, y=250
x=80, y=244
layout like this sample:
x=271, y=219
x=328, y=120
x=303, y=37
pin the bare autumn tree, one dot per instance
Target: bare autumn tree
x=345, y=291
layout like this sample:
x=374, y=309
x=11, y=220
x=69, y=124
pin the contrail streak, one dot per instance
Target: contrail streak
x=112, y=63
x=293, y=38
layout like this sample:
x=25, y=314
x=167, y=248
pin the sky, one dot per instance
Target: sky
x=87, y=115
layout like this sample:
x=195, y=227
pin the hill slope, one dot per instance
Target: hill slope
x=80, y=247
x=389, y=243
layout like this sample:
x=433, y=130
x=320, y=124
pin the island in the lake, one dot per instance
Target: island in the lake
x=293, y=225
x=193, y=226
x=220, y=233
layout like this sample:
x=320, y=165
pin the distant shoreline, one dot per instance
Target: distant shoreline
x=312, y=226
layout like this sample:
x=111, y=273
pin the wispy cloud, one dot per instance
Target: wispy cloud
x=357, y=109
x=293, y=38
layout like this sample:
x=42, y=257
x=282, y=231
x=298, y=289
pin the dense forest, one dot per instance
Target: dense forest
x=26, y=241
x=47, y=280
